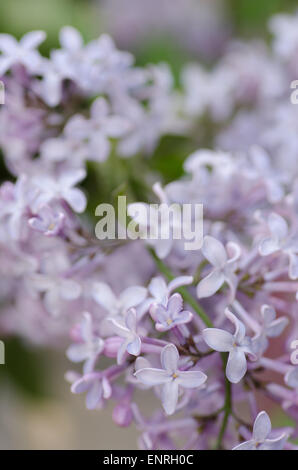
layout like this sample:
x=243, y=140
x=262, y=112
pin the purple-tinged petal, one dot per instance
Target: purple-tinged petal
x=94, y=395
x=214, y=252
x=175, y=304
x=248, y=445
x=170, y=358
x=134, y=347
x=236, y=365
x=76, y=199
x=151, y=376
x=219, y=340
x=132, y=296
x=210, y=284
x=262, y=427
x=191, y=379
x=169, y=396
x=291, y=378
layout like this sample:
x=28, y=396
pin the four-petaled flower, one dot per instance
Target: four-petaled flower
x=128, y=331
x=161, y=291
x=271, y=328
x=129, y=297
x=23, y=52
x=260, y=439
x=281, y=240
x=223, y=259
x=170, y=378
x=90, y=346
x=166, y=317
x=237, y=345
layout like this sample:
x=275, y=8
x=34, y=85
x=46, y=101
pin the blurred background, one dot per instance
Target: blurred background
x=37, y=410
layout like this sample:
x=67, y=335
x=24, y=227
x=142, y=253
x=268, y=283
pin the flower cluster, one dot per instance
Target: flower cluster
x=208, y=331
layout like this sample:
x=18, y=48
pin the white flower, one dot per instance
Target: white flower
x=22, y=52
x=224, y=267
x=237, y=345
x=128, y=331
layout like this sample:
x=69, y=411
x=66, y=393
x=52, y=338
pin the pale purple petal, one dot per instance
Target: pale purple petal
x=214, y=252
x=291, y=378
x=76, y=199
x=262, y=427
x=103, y=294
x=236, y=366
x=175, y=304
x=210, y=284
x=191, y=379
x=132, y=296
x=170, y=358
x=134, y=347
x=268, y=246
x=94, y=395
x=179, y=281
x=278, y=226
x=219, y=340
x=70, y=38
x=248, y=445
x=33, y=39
x=150, y=376
x=169, y=396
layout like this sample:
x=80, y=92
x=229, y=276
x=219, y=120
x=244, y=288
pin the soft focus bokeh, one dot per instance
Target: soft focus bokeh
x=37, y=410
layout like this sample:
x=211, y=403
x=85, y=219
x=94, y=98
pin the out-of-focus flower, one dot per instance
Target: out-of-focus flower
x=22, y=52
x=88, y=348
x=260, y=437
x=281, y=240
x=128, y=331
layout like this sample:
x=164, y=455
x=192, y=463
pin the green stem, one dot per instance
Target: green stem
x=163, y=268
x=227, y=406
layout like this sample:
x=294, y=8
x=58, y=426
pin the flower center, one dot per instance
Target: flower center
x=174, y=375
x=169, y=321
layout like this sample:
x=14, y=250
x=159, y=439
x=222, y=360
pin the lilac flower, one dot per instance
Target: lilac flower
x=89, y=348
x=61, y=187
x=17, y=204
x=22, y=52
x=271, y=328
x=291, y=378
x=162, y=291
x=281, y=240
x=237, y=345
x=170, y=316
x=260, y=437
x=224, y=267
x=97, y=387
x=130, y=297
x=47, y=221
x=128, y=331
x=171, y=378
